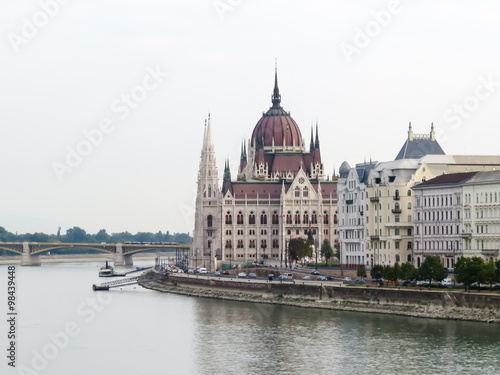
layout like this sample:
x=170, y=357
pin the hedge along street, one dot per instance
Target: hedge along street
x=121, y=106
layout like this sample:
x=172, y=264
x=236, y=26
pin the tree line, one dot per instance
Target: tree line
x=79, y=235
x=468, y=271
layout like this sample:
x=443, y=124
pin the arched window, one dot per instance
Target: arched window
x=275, y=218
x=228, y=244
x=306, y=217
x=314, y=218
x=297, y=192
x=409, y=205
x=229, y=218
x=335, y=219
x=289, y=217
x=297, y=217
x=239, y=218
x=263, y=218
x=409, y=193
x=251, y=218
x=396, y=194
x=325, y=217
x=209, y=191
x=204, y=191
x=209, y=221
x=305, y=193
x=398, y=259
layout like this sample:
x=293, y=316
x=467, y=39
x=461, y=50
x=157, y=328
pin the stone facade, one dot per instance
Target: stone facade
x=281, y=192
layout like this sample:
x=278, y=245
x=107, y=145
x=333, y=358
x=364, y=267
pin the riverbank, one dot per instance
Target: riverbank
x=75, y=258
x=477, y=307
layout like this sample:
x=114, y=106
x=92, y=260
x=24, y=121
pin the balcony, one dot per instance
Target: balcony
x=396, y=197
x=466, y=234
x=375, y=238
x=396, y=210
x=349, y=201
x=374, y=199
x=361, y=213
x=489, y=252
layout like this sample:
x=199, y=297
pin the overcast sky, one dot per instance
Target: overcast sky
x=138, y=78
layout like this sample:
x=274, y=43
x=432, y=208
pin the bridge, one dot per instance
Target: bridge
x=31, y=252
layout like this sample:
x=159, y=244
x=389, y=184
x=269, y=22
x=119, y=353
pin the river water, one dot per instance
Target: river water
x=65, y=328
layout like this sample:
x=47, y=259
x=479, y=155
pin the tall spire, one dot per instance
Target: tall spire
x=276, y=93
x=317, y=136
x=311, y=147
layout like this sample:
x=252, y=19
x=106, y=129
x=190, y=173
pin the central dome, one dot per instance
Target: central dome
x=276, y=127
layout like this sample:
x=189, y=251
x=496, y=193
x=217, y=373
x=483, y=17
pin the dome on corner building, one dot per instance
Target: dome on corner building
x=344, y=170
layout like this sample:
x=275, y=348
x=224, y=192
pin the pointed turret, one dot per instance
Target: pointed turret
x=316, y=145
x=276, y=92
x=311, y=146
x=226, y=182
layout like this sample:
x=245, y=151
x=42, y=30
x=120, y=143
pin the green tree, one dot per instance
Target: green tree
x=468, y=271
x=294, y=247
x=377, y=271
x=75, y=234
x=305, y=249
x=432, y=269
x=361, y=272
x=337, y=251
x=488, y=273
x=102, y=236
x=408, y=271
x=326, y=250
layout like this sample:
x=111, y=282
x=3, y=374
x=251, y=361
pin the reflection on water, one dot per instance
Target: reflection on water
x=146, y=332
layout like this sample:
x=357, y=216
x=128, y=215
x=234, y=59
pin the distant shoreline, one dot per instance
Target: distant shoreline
x=71, y=258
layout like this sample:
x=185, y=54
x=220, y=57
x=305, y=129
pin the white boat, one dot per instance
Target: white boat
x=106, y=271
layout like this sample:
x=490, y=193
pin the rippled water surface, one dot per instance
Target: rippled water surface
x=137, y=331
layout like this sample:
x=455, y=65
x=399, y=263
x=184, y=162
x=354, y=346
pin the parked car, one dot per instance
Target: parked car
x=242, y=275
x=314, y=272
x=377, y=281
x=445, y=282
x=270, y=277
x=306, y=277
x=252, y=276
x=409, y=282
x=217, y=273
x=321, y=278
x=226, y=272
x=359, y=281
x=347, y=280
x=423, y=282
x=190, y=271
x=203, y=270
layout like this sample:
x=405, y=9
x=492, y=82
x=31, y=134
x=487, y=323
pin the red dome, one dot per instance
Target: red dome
x=277, y=124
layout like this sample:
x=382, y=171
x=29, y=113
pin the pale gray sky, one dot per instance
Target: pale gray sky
x=364, y=69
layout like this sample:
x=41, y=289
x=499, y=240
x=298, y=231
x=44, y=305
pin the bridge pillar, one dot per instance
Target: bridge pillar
x=28, y=259
x=129, y=262
x=119, y=258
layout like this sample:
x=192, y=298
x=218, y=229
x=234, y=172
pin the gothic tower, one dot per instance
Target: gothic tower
x=207, y=229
